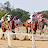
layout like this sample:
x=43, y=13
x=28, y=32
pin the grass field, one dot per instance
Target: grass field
x=40, y=42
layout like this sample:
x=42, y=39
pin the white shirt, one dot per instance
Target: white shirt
x=31, y=16
x=8, y=19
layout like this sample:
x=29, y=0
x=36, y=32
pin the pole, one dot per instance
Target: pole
x=33, y=42
x=9, y=41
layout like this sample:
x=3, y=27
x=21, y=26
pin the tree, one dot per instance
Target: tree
x=21, y=14
x=45, y=13
x=2, y=13
x=7, y=6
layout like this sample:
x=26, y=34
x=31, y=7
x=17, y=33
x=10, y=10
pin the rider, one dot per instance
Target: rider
x=40, y=17
x=33, y=17
x=8, y=18
x=5, y=19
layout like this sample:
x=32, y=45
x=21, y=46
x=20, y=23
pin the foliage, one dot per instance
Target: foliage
x=45, y=13
x=7, y=6
x=2, y=13
x=21, y=14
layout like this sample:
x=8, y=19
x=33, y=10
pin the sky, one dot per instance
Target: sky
x=29, y=5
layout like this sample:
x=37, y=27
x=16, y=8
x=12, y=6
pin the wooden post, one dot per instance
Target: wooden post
x=33, y=42
x=9, y=41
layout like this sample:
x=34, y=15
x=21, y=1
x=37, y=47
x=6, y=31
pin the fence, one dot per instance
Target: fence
x=33, y=39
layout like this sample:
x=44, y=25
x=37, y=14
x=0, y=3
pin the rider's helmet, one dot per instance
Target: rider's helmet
x=35, y=13
x=41, y=14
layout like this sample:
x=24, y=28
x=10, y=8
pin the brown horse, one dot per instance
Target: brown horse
x=11, y=26
x=33, y=26
x=41, y=26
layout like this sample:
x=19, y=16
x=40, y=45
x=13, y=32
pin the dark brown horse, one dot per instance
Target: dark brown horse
x=11, y=26
x=32, y=26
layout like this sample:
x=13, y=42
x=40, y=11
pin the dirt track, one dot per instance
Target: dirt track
x=24, y=44
x=40, y=42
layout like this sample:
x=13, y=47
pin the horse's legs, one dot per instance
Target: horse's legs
x=3, y=36
x=27, y=29
x=14, y=36
x=18, y=27
x=41, y=31
x=34, y=32
x=31, y=29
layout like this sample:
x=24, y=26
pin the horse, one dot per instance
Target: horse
x=11, y=26
x=41, y=25
x=32, y=26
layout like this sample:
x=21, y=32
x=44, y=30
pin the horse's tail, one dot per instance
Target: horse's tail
x=13, y=25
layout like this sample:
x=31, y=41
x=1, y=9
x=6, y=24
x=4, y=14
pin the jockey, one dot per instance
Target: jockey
x=33, y=17
x=40, y=17
x=8, y=18
x=4, y=18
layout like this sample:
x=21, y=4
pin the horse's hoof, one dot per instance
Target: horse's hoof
x=16, y=39
x=29, y=39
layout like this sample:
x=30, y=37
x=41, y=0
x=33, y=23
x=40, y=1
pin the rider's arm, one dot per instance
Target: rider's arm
x=30, y=16
x=34, y=18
